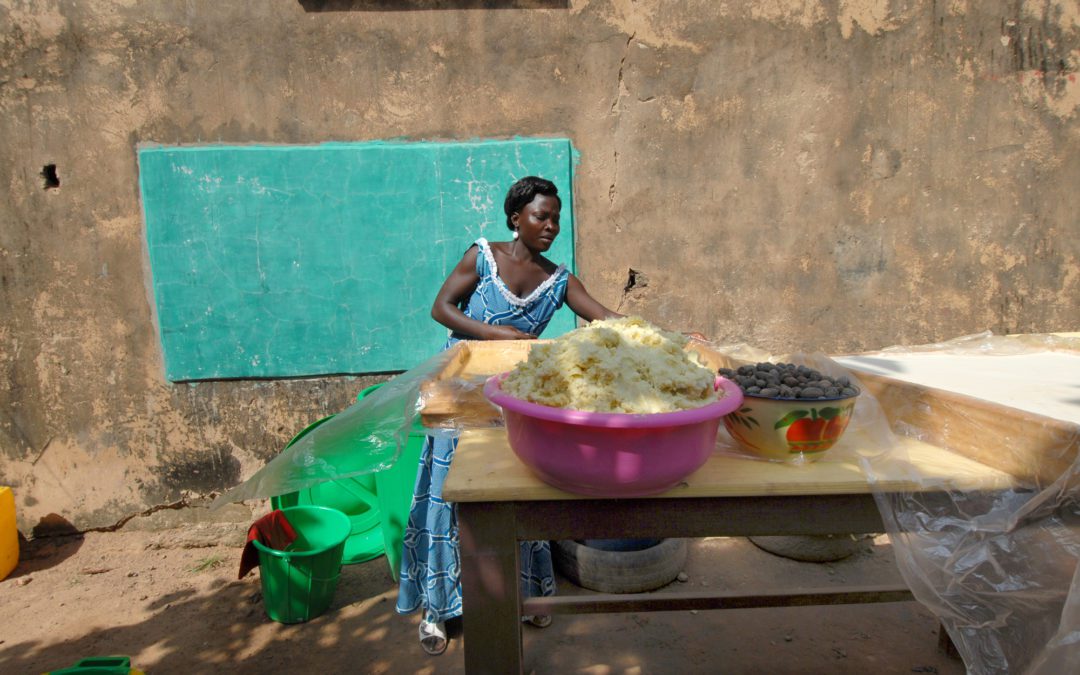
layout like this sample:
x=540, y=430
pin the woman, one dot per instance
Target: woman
x=498, y=291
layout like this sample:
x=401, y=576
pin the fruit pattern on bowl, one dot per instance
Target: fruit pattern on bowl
x=789, y=412
x=807, y=429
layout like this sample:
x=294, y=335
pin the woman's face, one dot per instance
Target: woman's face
x=538, y=222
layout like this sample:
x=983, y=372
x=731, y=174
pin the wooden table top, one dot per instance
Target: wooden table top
x=485, y=469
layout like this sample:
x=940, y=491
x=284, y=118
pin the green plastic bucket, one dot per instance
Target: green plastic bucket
x=394, y=490
x=298, y=584
x=355, y=497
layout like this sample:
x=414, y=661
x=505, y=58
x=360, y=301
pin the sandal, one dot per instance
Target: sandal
x=433, y=638
x=538, y=620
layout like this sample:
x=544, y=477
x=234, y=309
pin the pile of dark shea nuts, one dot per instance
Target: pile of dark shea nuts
x=787, y=380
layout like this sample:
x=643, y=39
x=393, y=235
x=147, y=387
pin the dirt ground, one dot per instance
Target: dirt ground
x=171, y=601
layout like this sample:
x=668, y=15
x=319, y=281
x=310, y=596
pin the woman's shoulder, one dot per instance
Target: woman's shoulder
x=473, y=251
x=469, y=259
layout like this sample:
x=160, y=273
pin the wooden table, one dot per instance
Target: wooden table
x=500, y=502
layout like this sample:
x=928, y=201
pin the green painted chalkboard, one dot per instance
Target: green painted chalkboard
x=283, y=261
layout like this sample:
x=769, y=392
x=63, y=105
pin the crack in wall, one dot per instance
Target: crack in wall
x=621, y=82
x=616, y=111
x=72, y=531
x=183, y=503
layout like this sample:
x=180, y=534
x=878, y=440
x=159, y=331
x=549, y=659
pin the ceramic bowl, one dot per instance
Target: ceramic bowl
x=789, y=429
x=612, y=454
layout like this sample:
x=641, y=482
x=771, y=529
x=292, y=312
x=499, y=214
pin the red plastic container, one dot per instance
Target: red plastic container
x=612, y=454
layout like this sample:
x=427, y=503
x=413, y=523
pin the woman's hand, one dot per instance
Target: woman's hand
x=507, y=333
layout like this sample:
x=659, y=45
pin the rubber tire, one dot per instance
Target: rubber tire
x=811, y=548
x=620, y=571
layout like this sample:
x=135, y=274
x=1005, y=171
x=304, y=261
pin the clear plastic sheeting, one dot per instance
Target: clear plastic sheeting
x=441, y=397
x=998, y=567
x=992, y=554
x=366, y=437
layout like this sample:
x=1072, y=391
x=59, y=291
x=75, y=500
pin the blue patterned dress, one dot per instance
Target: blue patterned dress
x=430, y=563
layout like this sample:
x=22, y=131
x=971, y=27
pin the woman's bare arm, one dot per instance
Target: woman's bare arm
x=456, y=289
x=583, y=304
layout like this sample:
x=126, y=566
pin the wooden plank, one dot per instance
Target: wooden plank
x=1040, y=382
x=599, y=603
x=485, y=469
x=456, y=392
x=710, y=357
x=1036, y=450
x=698, y=517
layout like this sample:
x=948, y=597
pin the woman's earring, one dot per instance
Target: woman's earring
x=515, y=235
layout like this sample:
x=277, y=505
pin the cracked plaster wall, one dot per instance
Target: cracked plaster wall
x=796, y=174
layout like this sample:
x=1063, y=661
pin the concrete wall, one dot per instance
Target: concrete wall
x=830, y=175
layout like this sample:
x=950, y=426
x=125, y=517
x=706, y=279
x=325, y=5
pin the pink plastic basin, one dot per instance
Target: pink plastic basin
x=612, y=454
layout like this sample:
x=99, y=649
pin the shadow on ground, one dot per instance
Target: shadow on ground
x=183, y=611
x=42, y=553
x=224, y=629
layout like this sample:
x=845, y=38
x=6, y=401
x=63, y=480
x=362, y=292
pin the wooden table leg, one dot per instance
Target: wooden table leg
x=945, y=644
x=490, y=589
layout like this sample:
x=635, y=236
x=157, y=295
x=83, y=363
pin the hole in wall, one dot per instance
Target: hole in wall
x=635, y=279
x=52, y=180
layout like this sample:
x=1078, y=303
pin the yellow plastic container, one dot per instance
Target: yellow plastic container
x=9, y=535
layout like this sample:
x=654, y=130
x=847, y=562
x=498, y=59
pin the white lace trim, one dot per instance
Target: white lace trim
x=485, y=248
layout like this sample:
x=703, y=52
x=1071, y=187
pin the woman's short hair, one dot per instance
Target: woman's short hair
x=524, y=191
